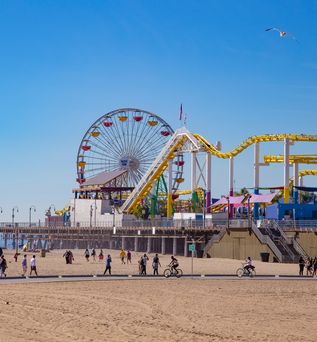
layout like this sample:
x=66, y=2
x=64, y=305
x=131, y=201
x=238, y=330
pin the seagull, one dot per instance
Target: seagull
x=282, y=34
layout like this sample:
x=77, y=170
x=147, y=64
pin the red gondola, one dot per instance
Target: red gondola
x=107, y=123
x=137, y=118
x=86, y=148
x=165, y=133
x=180, y=162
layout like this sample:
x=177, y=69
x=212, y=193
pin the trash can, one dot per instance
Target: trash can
x=43, y=253
x=265, y=257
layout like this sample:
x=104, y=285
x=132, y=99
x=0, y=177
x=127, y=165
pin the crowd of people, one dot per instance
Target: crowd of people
x=310, y=264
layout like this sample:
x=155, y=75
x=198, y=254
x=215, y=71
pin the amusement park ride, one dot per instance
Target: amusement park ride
x=131, y=162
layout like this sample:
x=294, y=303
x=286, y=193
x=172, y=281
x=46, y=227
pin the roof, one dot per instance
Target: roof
x=104, y=177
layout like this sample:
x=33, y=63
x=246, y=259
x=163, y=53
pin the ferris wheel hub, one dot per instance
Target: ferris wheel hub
x=129, y=163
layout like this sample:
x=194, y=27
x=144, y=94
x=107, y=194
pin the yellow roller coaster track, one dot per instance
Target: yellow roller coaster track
x=307, y=173
x=293, y=159
x=252, y=140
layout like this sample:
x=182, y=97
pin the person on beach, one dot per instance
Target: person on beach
x=309, y=266
x=129, y=257
x=15, y=257
x=1, y=252
x=100, y=256
x=3, y=266
x=86, y=254
x=248, y=264
x=143, y=262
x=174, y=263
x=24, y=265
x=93, y=254
x=66, y=256
x=33, y=265
x=155, y=264
x=108, y=265
x=122, y=256
x=301, y=264
x=70, y=257
x=315, y=267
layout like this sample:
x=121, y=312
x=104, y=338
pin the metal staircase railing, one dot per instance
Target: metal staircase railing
x=265, y=239
x=159, y=165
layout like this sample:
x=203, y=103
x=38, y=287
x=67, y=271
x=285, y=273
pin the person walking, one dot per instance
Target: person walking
x=108, y=265
x=155, y=264
x=129, y=257
x=24, y=265
x=66, y=256
x=86, y=254
x=100, y=256
x=3, y=266
x=70, y=257
x=301, y=263
x=122, y=256
x=144, y=260
x=93, y=254
x=33, y=265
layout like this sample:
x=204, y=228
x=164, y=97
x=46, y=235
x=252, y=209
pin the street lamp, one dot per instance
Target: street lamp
x=30, y=214
x=16, y=229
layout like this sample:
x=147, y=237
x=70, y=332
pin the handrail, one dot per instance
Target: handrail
x=267, y=240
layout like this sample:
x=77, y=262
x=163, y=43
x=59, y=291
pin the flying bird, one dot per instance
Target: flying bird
x=282, y=34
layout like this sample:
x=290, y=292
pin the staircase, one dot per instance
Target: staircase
x=289, y=248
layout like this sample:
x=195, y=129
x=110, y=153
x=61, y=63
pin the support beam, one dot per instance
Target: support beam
x=286, y=170
x=208, y=182
x=296, y=182
x=136, y=243
x=170, y=190
x=193, y=171
x=123, y=242
x=174, y=246
x=163, y=246
x=256, y=166
x=231, y=177
x=149, y=245
x=185, y=247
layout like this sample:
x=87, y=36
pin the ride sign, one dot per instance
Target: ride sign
x=192, y=247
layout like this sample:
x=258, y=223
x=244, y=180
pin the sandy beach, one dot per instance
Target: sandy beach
x=164, y=310
x=156, y=310
x=54, y=264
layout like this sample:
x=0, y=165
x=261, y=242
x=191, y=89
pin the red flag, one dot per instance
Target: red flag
x=181, y=112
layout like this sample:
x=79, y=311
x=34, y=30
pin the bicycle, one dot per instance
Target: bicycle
x=242, y=271
x=170, y=271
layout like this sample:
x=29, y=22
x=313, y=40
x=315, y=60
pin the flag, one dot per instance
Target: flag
x=181, y=112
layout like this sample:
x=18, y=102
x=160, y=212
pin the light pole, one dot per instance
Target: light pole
x=32, y=207
x=16, y=229
x=92, y=207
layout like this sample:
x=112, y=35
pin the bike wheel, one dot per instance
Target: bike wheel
x=178, y=273
x=240, y=272
x=167, y=273
x=252, y=273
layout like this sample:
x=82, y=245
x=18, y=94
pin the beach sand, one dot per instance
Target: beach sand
x=160, y=310
x=157, y=310
x=54, y=264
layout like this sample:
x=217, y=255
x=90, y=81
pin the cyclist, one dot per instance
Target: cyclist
x=173, y=264
x=248, y=264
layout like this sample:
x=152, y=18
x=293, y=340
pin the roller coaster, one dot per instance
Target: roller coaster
x=182, y=137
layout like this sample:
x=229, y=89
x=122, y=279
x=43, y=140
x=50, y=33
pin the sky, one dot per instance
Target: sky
x=63, y=64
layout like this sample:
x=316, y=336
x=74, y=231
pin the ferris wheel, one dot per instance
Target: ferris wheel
x=125, y=139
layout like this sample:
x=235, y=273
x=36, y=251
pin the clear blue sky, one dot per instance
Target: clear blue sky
x=65, y=63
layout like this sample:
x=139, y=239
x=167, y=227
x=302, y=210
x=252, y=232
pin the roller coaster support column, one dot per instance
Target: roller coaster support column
x=193, y=171
x=208, y=183
x=256, y=178
x=231, y=177
x=286, y=170
x=169, y=194
x=295, y=176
